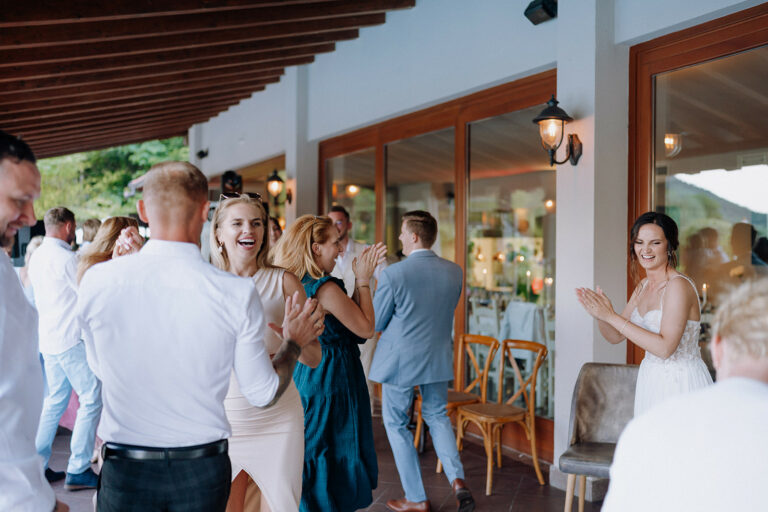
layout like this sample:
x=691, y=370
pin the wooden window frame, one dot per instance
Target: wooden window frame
x=735, y=33
x=457, y=114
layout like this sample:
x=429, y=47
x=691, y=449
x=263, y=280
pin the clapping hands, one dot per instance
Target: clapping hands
x=129, y=242
x=595, y=302
x=366, y=263
x=301, y=323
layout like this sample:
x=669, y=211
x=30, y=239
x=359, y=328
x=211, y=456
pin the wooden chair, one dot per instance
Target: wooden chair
x=602, y=405
x=490, y=418
x=469, y=343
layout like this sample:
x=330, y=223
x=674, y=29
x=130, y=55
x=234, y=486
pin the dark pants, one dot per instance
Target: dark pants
x=196, y=485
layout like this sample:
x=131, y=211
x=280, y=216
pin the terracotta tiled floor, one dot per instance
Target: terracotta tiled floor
x=515, y=487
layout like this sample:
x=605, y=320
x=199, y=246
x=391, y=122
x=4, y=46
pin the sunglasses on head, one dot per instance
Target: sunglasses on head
x=234, y=195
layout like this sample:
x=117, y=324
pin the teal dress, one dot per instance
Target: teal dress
x=340, y=467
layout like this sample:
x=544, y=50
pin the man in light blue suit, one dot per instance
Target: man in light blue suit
x=414, y=305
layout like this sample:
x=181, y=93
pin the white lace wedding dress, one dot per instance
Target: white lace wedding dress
x=683, y=371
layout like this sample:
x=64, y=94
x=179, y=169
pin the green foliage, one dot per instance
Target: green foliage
x=91, y=184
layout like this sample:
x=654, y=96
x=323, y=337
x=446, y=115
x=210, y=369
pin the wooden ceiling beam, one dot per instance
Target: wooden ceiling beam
x=137, y=86
x=163, y=55
x=122, y=108
x=64, y=137
x=255, y=18
x=72, y=11
x=64, y=52
x=96, y=100
x=23, y=124
x=48, y=151
x=155, y=72
x=140, y=65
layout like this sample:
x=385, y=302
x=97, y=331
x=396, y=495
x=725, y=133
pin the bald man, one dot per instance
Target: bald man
x=23, y=486
x=164, y=330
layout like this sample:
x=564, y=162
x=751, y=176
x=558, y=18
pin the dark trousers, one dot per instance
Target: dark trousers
x=196, y=485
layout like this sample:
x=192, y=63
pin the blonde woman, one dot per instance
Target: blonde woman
x=105, y=244
x=340, y=468
x=267, y=444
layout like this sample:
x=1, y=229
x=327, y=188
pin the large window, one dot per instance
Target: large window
x=511, y=242
x=350, y=182
x=419, y=176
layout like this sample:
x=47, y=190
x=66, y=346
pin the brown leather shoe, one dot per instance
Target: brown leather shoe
x=403, y=505
x=464, y=498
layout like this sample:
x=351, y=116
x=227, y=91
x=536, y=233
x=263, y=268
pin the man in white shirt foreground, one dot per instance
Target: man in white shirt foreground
x=23, y=487
x=53, y=271
x=163, y=330
x=344, y=271
x=707, y=450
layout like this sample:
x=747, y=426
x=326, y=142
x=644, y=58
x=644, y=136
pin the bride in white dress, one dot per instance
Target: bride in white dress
x=662, y=316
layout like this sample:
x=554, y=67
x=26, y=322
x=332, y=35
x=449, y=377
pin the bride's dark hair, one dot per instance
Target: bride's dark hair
x=667, y=225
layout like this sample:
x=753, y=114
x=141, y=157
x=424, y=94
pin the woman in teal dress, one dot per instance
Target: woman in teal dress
x=340, y=467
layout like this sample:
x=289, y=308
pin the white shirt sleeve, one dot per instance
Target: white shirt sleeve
x=253, y=368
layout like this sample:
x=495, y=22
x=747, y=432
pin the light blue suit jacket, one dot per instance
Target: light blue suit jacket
x=414, y=304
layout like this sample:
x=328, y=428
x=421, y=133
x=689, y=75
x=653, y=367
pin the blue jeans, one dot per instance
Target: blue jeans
x=396, y=404
x=64, y=372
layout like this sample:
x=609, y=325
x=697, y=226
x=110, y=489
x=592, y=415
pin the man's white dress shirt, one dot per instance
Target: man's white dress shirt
x=162, y=330
x=53, y=273
x=702, y=451
x=23, y=487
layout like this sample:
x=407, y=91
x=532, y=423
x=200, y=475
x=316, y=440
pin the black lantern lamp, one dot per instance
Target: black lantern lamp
x=275, y=185
x=552, y=121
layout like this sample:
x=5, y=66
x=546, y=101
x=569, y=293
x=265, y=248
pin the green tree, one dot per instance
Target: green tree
x=92, y=184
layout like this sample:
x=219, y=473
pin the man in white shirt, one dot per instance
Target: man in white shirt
x=53, y=271
x=23, y=487
x=163, y=330
x=343, y=270
x=706, y=450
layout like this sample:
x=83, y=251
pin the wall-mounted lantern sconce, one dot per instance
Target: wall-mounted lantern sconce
x=552, y=121
x=673, y=144
x=202, y=154
x=275, y=185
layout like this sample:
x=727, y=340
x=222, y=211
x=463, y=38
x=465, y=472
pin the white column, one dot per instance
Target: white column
x=592, y=86
x=300, y=154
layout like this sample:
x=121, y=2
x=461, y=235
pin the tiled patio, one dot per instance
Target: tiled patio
x=515, y=487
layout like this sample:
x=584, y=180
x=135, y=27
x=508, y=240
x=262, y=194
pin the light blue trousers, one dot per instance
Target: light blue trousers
x=396, y=404
x=64, y=372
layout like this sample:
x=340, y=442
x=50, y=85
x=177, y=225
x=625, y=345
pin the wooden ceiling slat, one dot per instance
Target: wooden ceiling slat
x=35, y=56
x=115, y=76
x=72, y=11
x=48, y=151
x=213, y=107
x=141, y=66
x=98, y=100
x=124, y=108
x=161, y=42
x=136, y=86
x=258, y=18
x=114, y=130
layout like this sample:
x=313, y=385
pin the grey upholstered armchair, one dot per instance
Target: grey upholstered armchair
x=603, y=403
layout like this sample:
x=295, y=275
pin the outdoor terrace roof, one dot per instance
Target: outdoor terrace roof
x=82, y=75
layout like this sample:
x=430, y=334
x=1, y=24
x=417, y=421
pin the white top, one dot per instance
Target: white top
x=23, y=487
x=343, y=269
x=703, y=451
x=163, y=330
x=53, y=273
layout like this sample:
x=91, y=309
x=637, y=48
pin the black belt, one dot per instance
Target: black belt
x=125, y=451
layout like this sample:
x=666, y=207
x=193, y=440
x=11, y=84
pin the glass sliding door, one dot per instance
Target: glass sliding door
x=420, y=176
x=510, y=254
x=350, y=183
x=710, y=153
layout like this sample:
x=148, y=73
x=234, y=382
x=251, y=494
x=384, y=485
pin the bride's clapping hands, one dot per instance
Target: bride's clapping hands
x=596, y=303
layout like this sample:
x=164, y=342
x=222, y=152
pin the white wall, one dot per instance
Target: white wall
x=637, y=21
x=438, y=50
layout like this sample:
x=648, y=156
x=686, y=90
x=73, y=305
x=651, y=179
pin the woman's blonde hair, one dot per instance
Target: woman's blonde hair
x=293, y=251
x=741, y=320
x=219, y=256
x=100, y=250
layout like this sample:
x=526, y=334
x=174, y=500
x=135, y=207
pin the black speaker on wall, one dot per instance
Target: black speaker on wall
x=540, y=11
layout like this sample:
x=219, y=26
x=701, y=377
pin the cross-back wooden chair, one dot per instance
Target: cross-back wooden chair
x=470, y=343
x=491, y=417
